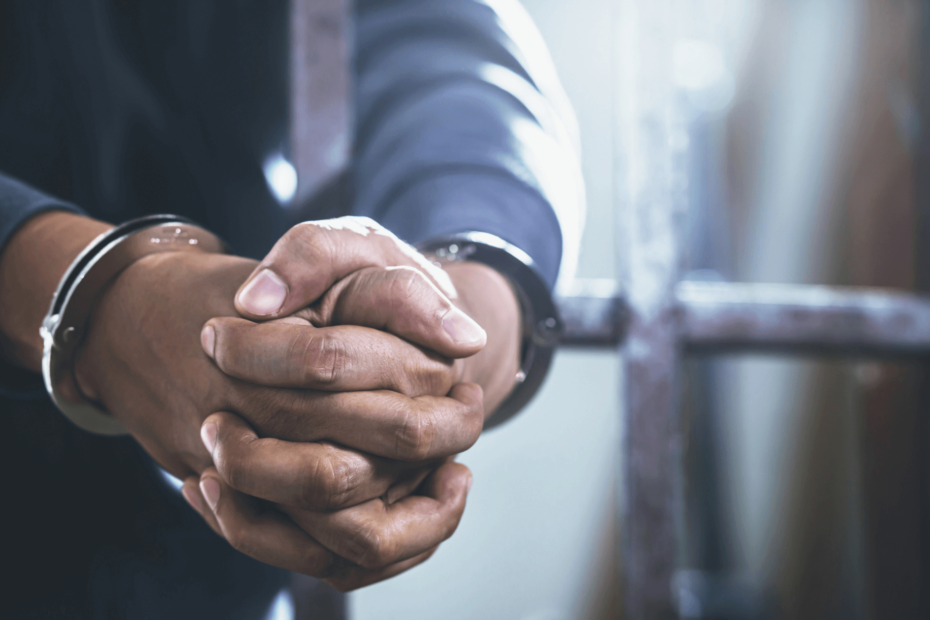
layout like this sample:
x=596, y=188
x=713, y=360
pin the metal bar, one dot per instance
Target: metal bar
x=594, y=314
x=808, y=320
x=803, y=319
x=651, y=200
x=922, y=265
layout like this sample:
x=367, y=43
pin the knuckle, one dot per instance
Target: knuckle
x=415, y=435
x=406, y=282
x=400, y=381
x=407, y=288
x=423, y=378
x=367, y=546
x=301, y=234
x=321, y=359
x=327, y=484
x=436, y=378
x=293, y=240
x=306, y=239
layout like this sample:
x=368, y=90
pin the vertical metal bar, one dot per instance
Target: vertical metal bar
x=922, y=165
x=650, y=143
x=321, y=91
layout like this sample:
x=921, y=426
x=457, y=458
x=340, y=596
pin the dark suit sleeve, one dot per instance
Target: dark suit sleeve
x=19, y=202
x=463, y=126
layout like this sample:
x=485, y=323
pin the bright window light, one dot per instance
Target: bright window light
x=699, y=68
x=281, y=177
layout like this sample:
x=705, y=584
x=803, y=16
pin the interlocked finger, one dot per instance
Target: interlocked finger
x=375, y=534
x=307, y=475
x=312, y=256
x=404, y=302
x=293, y=353
x=379, y=422
x=261, y=532
x=267, y=535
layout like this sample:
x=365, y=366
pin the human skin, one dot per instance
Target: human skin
x=359, y=453
x=265, y=354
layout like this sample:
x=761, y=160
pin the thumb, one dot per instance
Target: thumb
x=312, y=256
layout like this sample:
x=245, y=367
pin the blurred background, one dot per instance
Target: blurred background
x=807, y=479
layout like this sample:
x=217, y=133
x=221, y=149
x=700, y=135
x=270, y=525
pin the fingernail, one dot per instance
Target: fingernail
x=208, y=436
x=463, y=329
x=468, y=486
x=211, y=491
x=264, y=295
x=192, y=498
x=208, y=339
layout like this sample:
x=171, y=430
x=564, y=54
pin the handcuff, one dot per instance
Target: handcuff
x=541, y=325
x=66, y=324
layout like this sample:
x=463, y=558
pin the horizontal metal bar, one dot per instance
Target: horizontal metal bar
x=728, y=317
x=593, y=312
x=813, y=319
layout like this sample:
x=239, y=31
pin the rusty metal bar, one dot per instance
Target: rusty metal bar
x=651, y=187
x=658, y=318
x=594, y=314
x=803, y=319
x=725, y=317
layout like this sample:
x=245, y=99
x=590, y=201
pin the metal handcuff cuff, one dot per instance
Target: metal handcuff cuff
x=65, y=325
x=541, y=325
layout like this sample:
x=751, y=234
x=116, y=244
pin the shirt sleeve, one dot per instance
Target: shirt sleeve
x=462, y=125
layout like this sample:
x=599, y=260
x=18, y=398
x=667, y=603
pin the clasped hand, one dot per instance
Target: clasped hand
x=312, y=403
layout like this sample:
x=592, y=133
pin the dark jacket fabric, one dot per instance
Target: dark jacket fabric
x=122, y=109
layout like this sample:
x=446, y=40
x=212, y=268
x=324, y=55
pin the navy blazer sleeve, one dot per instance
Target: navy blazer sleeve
x=461, y=125
x=19, y=202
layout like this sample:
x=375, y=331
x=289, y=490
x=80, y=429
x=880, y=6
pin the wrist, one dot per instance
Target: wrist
x=200, y=285
x=90, y=275
x=31, y=266
x=539, y=324
x=487, y=297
